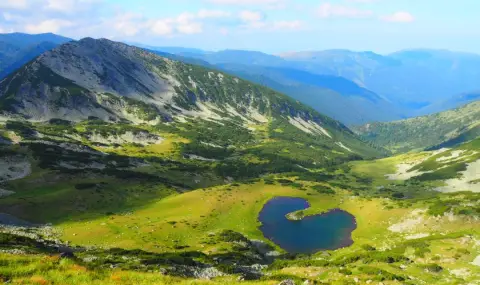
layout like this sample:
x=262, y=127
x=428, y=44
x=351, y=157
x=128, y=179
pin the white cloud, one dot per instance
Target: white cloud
x=81, y=18
x=70, y=6
x=250, y=16
x=328, y=10
x=204, y=14
x=185, y=23
x=61, y=5
x=161, y=28
x=190, y=28
x=14, y=4
x=399, y=17
x=269, y=4
x=48, y=26
x=11, y=17
x=247, y=2
x=287, y=25
x=363, y=1
x=128, y=24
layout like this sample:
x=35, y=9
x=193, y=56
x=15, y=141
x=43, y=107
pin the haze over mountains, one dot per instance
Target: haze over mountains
x=370, y=86
x=407, y=83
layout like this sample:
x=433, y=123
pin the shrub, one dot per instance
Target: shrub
x=323, y=189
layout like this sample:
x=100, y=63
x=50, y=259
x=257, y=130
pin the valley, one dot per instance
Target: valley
x=122, y=166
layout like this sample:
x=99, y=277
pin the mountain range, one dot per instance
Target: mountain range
x=17, y=49
x=116, y=82
x=372, y=87
x=407, y=83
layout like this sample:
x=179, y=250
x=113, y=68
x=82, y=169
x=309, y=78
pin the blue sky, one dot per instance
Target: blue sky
x=271, y=26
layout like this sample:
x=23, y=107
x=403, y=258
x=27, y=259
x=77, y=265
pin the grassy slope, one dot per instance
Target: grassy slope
x=450, y=127
x=38, y=269
x=154, y=216
x=434, y=167
x=214, y=209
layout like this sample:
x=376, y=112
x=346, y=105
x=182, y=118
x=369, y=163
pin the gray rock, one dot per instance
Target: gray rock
x=287, y=282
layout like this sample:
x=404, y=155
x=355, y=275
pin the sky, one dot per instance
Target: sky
x=272, y=26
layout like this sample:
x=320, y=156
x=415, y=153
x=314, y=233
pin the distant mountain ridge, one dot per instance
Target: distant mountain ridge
x=446, y=129
x=410, y=82
x=329, y=94
x=16, y=49
x=353, y=87
x=412, y=78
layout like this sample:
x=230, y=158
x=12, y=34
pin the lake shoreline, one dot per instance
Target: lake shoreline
x=316, y=232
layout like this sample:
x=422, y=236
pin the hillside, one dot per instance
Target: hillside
x=309, y=83
x=330, y=95
x=16, y=49
x=445, y=129
x=115, y=82
x=140, y=115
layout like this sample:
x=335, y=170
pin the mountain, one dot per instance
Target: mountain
x=410, y=82
x=171, y=50
x=22, y=40
x=445, y=129
x=116, y=82
x=101, y=115
x=411, y=78
x=16, y=49
x=451, y=102
x=240, y=57
x=328, y=94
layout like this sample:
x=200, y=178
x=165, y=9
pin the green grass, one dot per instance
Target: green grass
x=159, y=208
x=187, y=222
x=44, y=269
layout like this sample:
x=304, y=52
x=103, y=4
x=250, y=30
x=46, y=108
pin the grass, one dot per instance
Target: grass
x=167, y=148
x=44, y=269
x=47, y=202
x=148, y=211
x=187, y=219
x=183, y=219
x=186, y=222
x=377, y=169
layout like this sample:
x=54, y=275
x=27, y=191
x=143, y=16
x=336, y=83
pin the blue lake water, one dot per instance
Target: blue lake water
x=327, y=231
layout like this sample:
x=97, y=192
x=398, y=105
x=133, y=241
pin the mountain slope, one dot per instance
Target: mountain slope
x=16, y=49
x=330, y=95
x=115, y=82
x=25, y=40
x=304, y=81
x=443, y=129
x=97, y=114
x=451, y=102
